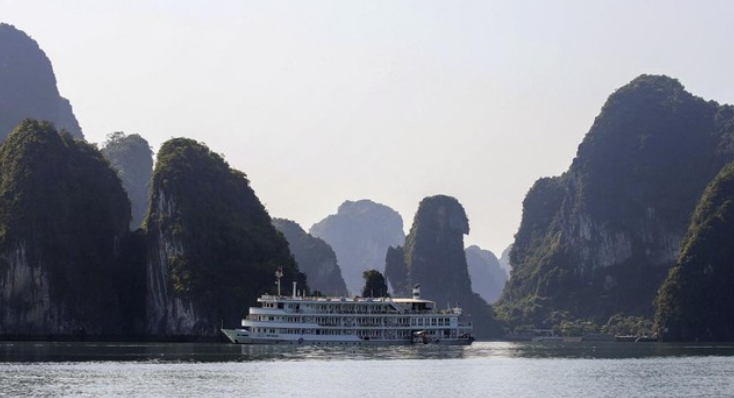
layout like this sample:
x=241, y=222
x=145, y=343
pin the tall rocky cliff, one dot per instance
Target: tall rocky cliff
x=599, y=239
x=360, y=234
x=487, y=277
x=315, y=258
x=434, y=258
x=28, y=85
x=696, y=300
x=63, y=222
x=132, y=157
x=212, y=249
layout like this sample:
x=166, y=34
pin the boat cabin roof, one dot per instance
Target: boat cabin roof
x=301, y=299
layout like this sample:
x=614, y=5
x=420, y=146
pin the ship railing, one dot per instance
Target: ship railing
x=355, y=299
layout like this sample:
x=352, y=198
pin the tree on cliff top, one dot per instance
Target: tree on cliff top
x=374, y=284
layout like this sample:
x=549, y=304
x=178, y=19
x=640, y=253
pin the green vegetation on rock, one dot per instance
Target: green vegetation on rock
x=695, y=302
x=374, y=284
x=599, y=240
x=212, y=247
x=63, y=217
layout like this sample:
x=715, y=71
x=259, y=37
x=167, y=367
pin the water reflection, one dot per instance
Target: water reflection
x=197, y=352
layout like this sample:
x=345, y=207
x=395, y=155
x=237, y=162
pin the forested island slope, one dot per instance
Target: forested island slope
x=599, y=239
x=63, y=223
x=212, y=249
x=696, y=300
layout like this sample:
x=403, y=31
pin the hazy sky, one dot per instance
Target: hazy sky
x=324, y=101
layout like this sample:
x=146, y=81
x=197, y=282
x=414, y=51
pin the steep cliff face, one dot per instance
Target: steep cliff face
x=63, y=216
x=435, y=259
x=360, y=234
x=315, y=258
x=29, y=85
x=132, y=157
x=487, y=277
x=212, y=249
x=396, y=272
x=599, y=239
x=695, y=302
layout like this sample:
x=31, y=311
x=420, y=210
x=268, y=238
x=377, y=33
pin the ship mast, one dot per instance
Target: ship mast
x=278, y=274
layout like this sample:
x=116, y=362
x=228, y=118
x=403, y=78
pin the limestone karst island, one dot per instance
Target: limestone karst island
x=116, y=241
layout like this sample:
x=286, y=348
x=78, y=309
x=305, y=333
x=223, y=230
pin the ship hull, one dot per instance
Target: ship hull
x=241, y=336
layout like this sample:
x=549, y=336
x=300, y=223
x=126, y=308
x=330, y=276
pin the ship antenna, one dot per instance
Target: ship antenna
x=279, y=274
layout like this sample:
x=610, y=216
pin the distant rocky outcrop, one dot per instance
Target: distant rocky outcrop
x=487, y=277
x=132, y=157
x=212, y=249
x=63, y=225
x=360, y=234
x=315, y=258
x=599, y=239
x=504, y=260
x=695, y=302
x=28, y=85
x=434, y=258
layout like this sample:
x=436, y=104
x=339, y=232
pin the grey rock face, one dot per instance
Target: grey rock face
x=28, y=85
x=360, y=234
x=315, y=258
x=487, y=277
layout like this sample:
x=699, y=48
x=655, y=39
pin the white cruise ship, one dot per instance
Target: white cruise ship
x=338, y=320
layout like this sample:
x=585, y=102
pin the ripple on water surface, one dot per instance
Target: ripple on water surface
x=483, y=369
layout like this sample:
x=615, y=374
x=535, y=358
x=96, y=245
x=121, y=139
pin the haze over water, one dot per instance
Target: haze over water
x=484, y=369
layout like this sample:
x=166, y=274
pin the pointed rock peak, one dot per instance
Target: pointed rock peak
x=650, y=89
x=29, y=85
x=443, y=211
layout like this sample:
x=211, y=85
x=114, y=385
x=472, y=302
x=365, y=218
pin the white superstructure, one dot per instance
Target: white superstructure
x=340, y=320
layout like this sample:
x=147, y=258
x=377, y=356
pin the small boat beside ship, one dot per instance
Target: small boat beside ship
x=359, y=320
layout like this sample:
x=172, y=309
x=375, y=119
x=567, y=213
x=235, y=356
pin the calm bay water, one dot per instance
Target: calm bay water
x=480, y=370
